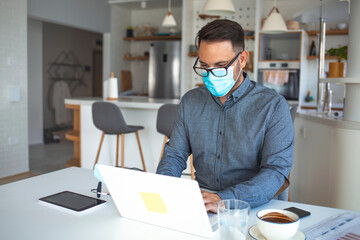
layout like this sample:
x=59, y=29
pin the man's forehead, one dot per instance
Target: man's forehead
x=221, y=43
x=214, y=52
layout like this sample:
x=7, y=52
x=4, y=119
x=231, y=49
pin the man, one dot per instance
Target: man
x=240, y=134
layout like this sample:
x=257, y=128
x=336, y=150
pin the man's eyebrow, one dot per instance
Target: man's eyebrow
x=217, y=63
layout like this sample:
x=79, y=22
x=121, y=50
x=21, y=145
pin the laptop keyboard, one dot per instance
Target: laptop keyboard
x=213, y=221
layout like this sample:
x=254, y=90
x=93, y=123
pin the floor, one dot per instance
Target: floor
x=44, y=158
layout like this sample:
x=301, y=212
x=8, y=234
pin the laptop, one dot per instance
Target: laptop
x=169, y=202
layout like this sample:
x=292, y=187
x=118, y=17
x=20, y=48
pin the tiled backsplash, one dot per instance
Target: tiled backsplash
x=14, y=154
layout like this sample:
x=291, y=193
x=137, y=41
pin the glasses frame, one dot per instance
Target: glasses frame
x=211, y=69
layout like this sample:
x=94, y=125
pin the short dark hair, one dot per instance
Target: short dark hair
x=222, y=30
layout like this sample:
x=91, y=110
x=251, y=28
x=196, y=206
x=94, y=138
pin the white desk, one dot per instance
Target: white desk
x=22, y=217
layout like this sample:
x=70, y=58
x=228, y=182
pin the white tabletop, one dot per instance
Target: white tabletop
x=22, y=217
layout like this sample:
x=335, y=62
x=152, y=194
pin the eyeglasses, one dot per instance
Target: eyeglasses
x=98, y=190
x=217, y=72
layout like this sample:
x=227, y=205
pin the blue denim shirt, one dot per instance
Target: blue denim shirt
x=242, y=149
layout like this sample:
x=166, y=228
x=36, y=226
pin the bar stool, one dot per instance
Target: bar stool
x=107, y=117
x=164, y=125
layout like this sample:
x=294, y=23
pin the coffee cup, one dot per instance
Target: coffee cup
x=277, y=224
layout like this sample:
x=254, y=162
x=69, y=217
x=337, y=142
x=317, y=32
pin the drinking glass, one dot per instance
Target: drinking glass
x=233, y=219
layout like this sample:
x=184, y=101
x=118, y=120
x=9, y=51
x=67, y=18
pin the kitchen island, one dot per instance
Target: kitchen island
x=136, y=111
x=326, y=161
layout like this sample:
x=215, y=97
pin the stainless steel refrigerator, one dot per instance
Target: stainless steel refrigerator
x=164, y=69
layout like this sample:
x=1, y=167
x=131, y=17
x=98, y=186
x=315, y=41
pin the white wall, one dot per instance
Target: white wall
x=92, y=15
x=58, y=38
x=14, y=153
x=35, y=79
x=120, y=20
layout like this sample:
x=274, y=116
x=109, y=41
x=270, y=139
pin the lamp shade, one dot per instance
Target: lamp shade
x=219, y=7
x=274, y=23
x=169, y=20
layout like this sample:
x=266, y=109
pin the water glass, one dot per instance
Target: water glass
x=233, y=219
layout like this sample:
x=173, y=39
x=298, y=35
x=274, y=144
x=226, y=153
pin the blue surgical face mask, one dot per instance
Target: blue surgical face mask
x=220, y=86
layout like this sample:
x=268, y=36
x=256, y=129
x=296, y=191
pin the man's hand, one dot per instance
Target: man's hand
x=210, y=201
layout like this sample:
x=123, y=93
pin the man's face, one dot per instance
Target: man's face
x=219, y=54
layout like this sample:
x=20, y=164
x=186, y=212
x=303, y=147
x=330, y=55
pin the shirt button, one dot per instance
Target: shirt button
x=218, y=156
x=220, y=132
x=236, y=97
x=217, y=180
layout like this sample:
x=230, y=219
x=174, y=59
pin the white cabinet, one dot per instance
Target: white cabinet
x=326, y=163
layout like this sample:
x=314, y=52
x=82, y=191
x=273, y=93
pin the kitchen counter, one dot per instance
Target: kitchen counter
x=136, y=110
x=331, y=120
x=126, y=102
x=326, y=161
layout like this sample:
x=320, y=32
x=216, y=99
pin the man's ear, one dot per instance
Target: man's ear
x=243, y=58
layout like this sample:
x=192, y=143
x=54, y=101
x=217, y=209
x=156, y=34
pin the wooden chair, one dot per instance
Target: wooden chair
x=164, y=125
x=108, y=118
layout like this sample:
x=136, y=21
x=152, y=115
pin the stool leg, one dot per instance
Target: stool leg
x=122, y=150
x=98, y=153
x=117, y=150
x=141, y=155
x=192, y=167
x=162, y=150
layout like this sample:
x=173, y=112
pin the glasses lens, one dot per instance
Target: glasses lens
x=219, y=72
x=201, y=72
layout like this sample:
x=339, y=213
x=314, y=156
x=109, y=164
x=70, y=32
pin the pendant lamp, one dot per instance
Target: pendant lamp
x=217, y=7
x=274, y=22
x=169, y=20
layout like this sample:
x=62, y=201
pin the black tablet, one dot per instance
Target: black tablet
x=73, y=201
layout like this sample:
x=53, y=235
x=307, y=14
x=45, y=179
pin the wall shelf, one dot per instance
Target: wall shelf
x=193, y=54
x=251, y=37
x=136, y=58
x=152, y=38
x=317, y=57
x=330, y=32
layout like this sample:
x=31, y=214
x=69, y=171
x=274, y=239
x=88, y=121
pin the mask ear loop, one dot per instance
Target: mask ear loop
x=238, y=77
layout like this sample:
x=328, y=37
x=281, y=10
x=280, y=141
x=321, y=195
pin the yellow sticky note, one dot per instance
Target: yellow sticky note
x=153, y=202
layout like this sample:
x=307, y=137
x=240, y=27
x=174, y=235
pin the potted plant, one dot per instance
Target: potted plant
x=129, y=31
x=337, y=69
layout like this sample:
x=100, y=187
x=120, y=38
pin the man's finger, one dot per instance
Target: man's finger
x=211, y=207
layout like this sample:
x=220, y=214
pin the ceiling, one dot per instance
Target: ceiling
x=334, y=11
x=150, y=4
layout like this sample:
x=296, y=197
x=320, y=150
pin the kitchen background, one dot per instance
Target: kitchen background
x=86, y=30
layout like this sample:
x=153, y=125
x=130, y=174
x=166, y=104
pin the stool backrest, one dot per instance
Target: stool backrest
x=293, y=110
x=285, y=194
x=108, y=118
x=166, y=118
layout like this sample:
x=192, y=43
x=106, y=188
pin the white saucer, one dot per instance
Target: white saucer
x=255, y=233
